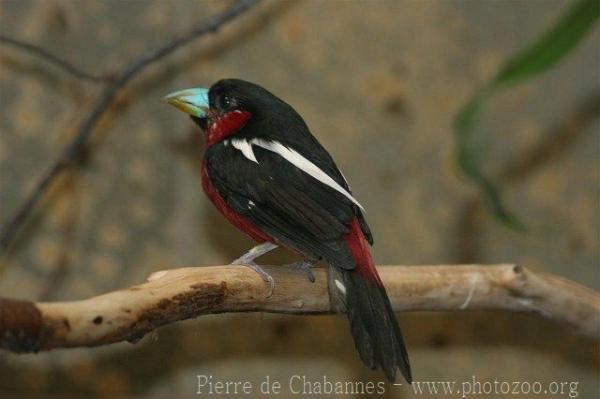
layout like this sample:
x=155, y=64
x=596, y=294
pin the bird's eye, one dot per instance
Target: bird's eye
x=224, y=102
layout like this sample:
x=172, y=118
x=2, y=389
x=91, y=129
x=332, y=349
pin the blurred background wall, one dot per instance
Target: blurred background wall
x=379, y=84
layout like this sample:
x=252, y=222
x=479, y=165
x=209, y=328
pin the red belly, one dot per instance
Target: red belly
x=234, y=218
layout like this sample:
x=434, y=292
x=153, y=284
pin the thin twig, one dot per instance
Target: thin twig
x=179, y=294
x=53, y=59
x=72, y=151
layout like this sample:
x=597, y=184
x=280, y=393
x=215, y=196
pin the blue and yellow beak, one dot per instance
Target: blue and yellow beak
x=191, y=101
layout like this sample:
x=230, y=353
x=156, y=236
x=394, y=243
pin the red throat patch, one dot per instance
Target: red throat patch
x=225, y=125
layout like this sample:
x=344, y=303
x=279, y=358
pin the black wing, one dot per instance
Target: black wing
x=291, y=130
x=284, y=201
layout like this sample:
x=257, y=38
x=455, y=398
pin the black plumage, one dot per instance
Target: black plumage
x=268, y=189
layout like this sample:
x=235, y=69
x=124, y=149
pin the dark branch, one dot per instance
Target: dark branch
x=71, y=153
x=52, y=59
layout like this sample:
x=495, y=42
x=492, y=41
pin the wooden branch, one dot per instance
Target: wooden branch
x=44, y=54
x=180, y=294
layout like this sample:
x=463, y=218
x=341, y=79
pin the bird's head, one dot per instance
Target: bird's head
x=227, y=106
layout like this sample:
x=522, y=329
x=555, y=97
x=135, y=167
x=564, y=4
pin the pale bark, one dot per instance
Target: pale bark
x=179, y=294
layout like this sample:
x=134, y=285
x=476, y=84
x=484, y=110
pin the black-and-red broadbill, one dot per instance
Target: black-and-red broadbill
x=270, y=177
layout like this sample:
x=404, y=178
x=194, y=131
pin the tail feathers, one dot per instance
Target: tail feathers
x=373, y=324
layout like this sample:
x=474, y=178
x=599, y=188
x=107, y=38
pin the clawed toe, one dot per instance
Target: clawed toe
x=248, y=260
x=305, y=266
x=267, y=278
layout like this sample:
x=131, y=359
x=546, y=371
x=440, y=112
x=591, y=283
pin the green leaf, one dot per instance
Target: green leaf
x=469, y=151
x=550, y=48
x=556, y=43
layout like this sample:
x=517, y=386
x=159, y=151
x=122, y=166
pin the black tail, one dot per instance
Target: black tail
x=374, y=327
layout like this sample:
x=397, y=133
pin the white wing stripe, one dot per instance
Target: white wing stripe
x=245, y=148
x=301, y=163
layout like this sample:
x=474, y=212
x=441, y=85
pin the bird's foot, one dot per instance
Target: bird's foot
x=261, y=272
x=254, y=253
x=248, y=260
x=306, y=267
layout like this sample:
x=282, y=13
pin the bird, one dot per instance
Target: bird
x=271, y=178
